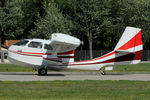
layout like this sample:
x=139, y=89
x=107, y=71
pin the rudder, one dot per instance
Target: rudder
x=131, y=43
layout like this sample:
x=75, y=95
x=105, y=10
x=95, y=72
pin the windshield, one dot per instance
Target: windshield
x=21, y=43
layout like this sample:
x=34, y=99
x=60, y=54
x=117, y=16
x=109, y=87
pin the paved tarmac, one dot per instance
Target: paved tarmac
x=33, y=76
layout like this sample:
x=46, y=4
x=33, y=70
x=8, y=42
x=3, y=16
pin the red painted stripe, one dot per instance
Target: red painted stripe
x=129, y=57
x=30, y=53
x=65, y=56
x=109, y=54
x=54, y=59
x=37, y=54
x=135, y=41
x=65, y=53
x=112, y=53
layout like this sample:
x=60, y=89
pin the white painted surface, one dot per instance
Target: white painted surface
x=109, y=68
x=128, y=34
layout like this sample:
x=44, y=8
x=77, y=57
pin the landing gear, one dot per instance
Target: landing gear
x=102, y=72
x=42, y=71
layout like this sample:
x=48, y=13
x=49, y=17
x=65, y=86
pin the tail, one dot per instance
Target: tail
x=130, y=46
x=127, y=51
x=131, y=40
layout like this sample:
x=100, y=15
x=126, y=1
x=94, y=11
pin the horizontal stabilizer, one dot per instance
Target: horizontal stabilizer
x=125, y=51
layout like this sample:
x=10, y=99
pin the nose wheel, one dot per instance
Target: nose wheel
x=42, y=71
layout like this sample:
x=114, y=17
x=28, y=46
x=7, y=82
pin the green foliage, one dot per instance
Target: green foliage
x=100, y=22
x=11, y=19
x=32, y=11
x=53, y=22
x=2, y=15
x=135, y=13
x=90, y=18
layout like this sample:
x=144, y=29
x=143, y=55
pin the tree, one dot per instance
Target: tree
x=89, y=16
x=136, y=13
x=2, y=13
x=53, y=22
x=1, y=23
x=11, y=19
x=33, y=10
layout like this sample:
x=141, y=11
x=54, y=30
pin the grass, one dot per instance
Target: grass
x=141, y=67
x=75, y=90
x=14, y=68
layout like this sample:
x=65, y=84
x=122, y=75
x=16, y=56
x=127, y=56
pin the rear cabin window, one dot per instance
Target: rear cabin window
x=48, y=47
x=21, y=43
x=35, y=45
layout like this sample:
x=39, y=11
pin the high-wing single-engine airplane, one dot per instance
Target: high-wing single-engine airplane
x=58, y=52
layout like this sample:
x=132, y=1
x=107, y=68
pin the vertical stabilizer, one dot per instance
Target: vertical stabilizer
x=131, y=40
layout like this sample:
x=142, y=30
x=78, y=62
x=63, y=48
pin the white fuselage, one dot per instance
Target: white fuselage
x=58, y=53
x=41, y=56
x=28, y=56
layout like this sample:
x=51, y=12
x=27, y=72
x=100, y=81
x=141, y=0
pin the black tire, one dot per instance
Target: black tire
x=42, y=71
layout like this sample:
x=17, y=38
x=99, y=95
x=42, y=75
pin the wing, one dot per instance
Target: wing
x=63, y=42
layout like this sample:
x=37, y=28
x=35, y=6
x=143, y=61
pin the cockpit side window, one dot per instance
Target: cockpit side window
x=21, y=43
x=48, y=47
x=34, y=44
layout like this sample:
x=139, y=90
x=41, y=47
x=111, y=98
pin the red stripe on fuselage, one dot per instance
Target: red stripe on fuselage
x=65, y=56
x=25, y=54
x=39, y=54
x=109, y=54
x=20, y=52
x=54, y=59
x=112, y=53
x=129, y=57
x=65, y=53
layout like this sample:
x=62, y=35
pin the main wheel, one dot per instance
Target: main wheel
x=42, y=71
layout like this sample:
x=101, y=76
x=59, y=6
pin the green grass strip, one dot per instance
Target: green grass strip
x=75, y=90
x=141, y=67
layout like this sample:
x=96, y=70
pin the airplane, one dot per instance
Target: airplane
x=57, y=53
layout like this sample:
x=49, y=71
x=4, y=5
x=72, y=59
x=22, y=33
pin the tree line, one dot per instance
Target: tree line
x=99, y=23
